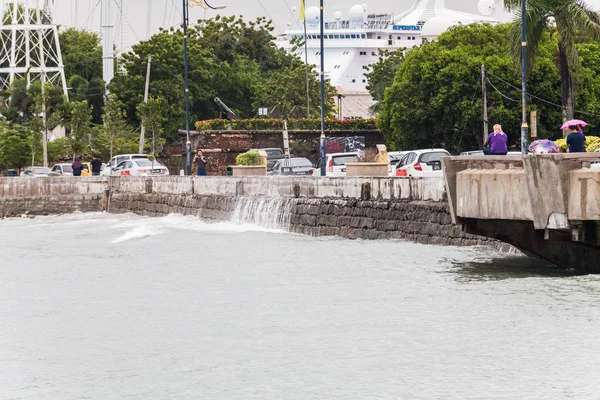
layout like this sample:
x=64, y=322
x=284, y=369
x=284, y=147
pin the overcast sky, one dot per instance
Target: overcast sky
x=165, y=13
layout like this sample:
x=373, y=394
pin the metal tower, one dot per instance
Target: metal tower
x=29, y=47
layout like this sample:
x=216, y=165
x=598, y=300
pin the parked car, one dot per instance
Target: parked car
x=419, y=163
x=61, y=170
x=118, y=159
x=273, y=155
x=335, y=163
x=87, y=169
x=293, y=166
x=139, y=167
x=35, y=172
x=393, y=158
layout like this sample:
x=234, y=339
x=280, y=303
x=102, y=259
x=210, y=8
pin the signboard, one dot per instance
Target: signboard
x=345, y=144
x=407, y=27
x=533, y=123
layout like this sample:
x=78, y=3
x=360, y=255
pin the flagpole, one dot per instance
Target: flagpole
x=303, y=18
x=306, y=62
x=322, y=139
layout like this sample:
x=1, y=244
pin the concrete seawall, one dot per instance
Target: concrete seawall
x=56, y=195
x=369, y=208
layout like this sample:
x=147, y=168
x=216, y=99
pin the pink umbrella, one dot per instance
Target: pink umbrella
x=567, y=124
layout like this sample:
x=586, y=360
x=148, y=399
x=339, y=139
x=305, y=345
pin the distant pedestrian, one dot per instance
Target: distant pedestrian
x=77, y=167
x=96, y=166
x=201, y=162
x=496, y=142
x=575, y=139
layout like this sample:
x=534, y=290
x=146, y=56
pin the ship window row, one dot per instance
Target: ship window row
x=346, y=36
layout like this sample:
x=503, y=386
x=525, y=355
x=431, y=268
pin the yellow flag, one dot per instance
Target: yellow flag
x=302, y=14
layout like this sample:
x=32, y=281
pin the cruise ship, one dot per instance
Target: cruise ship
x=353, y=41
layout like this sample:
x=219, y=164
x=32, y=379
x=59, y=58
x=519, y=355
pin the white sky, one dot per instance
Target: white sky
x=166, y=13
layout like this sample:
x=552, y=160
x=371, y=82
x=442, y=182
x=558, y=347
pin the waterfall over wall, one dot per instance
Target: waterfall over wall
x=273, y=212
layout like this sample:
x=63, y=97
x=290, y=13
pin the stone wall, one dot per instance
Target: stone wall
x=367, y=208
x=56, y=195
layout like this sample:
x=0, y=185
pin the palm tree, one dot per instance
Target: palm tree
x=569, y=21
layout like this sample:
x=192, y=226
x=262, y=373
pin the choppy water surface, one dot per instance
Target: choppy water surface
x=122, y=307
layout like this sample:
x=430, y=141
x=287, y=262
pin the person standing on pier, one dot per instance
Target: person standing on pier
x=96, y=165
x=496, y=142
x=77, y=167
x=200, y=162
x=576, y=139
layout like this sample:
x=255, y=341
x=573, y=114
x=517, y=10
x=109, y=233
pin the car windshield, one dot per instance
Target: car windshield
x=67, y=168
x=44, y=171
x=428, y=157
x=296, y=162
x=273, y=152
x=139, y=157
x=342, y=160
x=147, y=163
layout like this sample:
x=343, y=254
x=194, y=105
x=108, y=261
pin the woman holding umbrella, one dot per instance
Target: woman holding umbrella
x=576, y=138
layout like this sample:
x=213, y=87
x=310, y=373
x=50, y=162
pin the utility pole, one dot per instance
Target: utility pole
x=306, y=66
x=524, y=127
x=188, y=144
x=322, y=141
x=44, y=126
x=484, y=98
x=146, y=90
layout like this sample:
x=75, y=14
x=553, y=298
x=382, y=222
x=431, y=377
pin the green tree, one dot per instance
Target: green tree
x=116, y=132
x=15, y=146
x=569, y=21
x=82, y=53
x=435, y=99
x=153, y=121
x=80, y=140
x=381, y=74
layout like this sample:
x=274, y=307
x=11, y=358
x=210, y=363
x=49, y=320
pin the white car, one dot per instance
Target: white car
x=393, y=158
x=61, y=170
x=335, y=163
x=118, y=159
x=35, y=172
x=420, y=163
x=140, y=167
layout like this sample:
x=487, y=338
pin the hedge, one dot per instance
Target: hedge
x=270, y=124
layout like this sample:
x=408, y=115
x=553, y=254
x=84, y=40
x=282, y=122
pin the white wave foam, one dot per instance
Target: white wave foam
x=139, y=232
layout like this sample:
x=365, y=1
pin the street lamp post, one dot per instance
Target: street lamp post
x=188, y=143
x=524, y=127
x=322, y=140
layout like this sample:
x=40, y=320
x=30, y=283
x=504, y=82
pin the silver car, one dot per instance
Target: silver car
x=293, y=166
x=35, y=172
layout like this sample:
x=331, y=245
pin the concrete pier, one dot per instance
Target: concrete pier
x=547, y=205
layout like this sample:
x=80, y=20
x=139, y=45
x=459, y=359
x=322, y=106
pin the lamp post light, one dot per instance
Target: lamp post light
x=188, y=144
x=524, y=127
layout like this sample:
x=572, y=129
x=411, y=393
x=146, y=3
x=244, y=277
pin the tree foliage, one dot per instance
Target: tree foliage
x=435, y=98
x=229, y=58
x=570, y=22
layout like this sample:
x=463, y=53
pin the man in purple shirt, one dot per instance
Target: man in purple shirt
x=497, y=141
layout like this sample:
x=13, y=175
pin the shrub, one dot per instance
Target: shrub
x=592, y=143
x=250, y=158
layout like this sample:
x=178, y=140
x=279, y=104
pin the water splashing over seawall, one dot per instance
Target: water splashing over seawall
x=272, y=213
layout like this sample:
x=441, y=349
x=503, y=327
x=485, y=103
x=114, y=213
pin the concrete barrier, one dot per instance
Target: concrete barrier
x=492, y=194
x=367, y=169
x=584, y=194
x=29, y=187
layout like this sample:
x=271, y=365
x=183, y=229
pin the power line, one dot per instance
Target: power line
x=534, y=96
